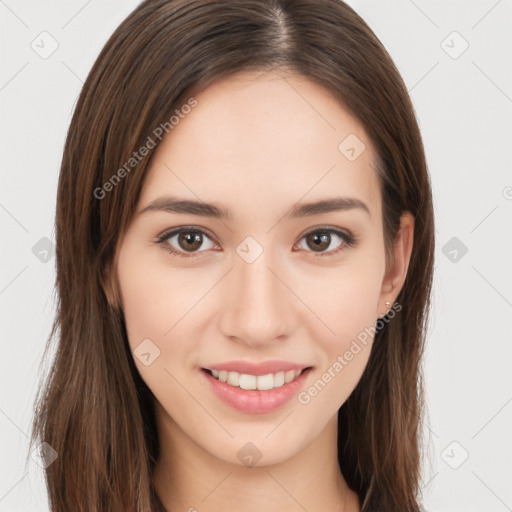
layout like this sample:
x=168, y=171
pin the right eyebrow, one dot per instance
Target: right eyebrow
x=192, y=207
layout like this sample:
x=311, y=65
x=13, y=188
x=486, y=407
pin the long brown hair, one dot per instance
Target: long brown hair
x=93, y=408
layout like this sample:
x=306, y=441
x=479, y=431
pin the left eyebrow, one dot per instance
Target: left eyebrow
x=334, y=204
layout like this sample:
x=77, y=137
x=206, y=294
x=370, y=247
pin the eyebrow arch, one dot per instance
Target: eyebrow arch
x=175, y=205
x=328, y=205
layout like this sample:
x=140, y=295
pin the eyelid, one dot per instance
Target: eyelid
x=177, y=230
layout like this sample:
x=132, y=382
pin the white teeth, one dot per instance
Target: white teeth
x=265, y=382
x=247, y=381
x=289, y=376
x=260, y=382
x=233, y=378
x=278, y=379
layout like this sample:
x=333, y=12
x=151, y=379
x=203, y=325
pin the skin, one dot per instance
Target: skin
x=256, y=144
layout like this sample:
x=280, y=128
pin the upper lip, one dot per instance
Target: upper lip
x=263, y=368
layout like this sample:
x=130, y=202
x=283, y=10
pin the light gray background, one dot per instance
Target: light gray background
x=464, y=106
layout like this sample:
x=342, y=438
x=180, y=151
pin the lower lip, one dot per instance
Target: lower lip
x=254, y=401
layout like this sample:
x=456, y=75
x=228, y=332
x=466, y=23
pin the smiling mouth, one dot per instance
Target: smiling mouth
x=256, y=382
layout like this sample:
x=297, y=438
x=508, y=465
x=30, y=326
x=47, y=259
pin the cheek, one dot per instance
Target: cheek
x=155, y=301
x=342, y=356
x=155, y=297
x=143, y=305
x=161, y=305
x=346, y=302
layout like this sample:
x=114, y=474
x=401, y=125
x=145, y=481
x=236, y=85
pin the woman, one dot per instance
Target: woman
x=245, y=243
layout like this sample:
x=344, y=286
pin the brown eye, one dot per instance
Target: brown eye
x=323, y=241
x=190, y=240
x=318, y=241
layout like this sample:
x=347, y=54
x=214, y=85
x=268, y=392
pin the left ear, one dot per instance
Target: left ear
x=397, y=272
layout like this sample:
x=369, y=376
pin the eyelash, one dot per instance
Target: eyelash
x=348, y=240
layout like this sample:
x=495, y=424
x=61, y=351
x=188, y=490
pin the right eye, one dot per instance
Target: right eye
x=187, y=240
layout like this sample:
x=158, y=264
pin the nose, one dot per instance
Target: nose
x=258, y=306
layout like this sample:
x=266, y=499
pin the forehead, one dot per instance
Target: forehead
x=265, y=138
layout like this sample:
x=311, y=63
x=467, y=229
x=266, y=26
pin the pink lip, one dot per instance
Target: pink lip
x=254, y=401
x=257, y=368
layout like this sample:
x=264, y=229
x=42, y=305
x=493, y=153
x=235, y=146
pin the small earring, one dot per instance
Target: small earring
x=387, y=305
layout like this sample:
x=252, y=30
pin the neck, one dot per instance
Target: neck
x=188, y=478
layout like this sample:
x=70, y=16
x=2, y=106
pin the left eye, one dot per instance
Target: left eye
x=321, y=240
x=190, y=240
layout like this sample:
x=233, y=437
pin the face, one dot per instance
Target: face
x=255, y=287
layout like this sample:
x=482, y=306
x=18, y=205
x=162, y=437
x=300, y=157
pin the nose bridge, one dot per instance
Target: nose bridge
x=259, y=307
